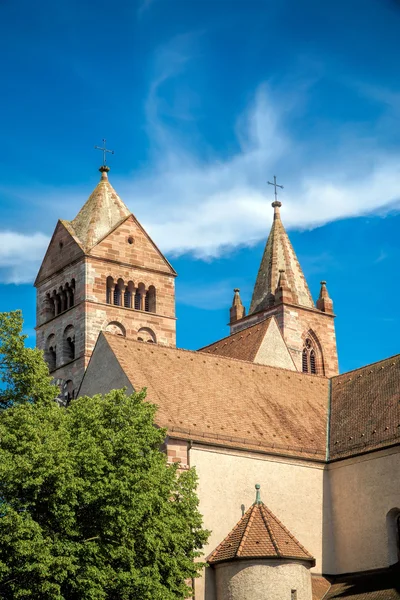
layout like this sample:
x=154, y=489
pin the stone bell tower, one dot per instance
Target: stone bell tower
x=281, y=291
x=101, y=271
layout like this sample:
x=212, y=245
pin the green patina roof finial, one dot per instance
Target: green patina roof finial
x=258, y=496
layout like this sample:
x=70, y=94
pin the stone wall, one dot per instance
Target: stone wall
x=295, y=322
x=262, y=580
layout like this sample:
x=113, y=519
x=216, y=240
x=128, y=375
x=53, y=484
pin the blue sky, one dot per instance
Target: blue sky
x=204, y=101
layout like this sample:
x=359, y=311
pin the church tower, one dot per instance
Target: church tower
x=281, y=291
x=101, y=272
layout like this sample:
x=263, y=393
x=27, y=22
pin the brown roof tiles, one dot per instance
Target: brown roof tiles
x=225, y=401
x=259, y=534
x=242, y=345
x=365, y=411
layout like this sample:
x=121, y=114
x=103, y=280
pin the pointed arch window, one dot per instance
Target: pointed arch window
x=311, y=358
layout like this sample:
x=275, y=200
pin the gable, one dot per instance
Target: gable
x=104, y=373
x=62, y=250
x=273, y=350
x=129, y=243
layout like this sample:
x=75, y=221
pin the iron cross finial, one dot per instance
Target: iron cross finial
x=276, y=185
x=104, y=149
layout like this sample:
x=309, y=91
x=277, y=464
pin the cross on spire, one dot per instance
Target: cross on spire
x=104, y=149
x=276, y=185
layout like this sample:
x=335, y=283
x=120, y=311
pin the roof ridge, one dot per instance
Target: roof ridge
x=271, y=535
x=246, y=531
x=377, y=362
x=230, y=533
x=219, y=357
x=233, y=335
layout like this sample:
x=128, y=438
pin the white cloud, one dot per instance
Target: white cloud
x=190, y=205
x=208, y=206
x=20, y=255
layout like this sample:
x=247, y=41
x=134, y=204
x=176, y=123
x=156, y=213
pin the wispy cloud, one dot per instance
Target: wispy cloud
x=203, y=204
x=20, y=256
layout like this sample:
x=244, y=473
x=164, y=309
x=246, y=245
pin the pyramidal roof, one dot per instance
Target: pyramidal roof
x=102, y=211
x=259, y=534
x=279, y=255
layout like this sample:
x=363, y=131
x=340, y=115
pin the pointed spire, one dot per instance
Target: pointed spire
x=324, y=302
x=283, y=293
x=102, y=211
x=237, y=310
x=278, y=255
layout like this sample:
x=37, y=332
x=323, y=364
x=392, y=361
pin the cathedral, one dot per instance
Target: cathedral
x=298, y=465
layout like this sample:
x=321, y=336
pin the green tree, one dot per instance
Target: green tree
x=24, y=375
x=89, y=507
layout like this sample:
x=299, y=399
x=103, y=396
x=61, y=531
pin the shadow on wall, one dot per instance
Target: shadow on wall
x=328, y=530
x=393, y=535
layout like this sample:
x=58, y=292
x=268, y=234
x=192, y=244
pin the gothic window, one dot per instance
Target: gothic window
x=50, y=352
x=313, y=369
x=311, y=357
x=110, y=290
x=393, y=535
x=117, y=295
x=69, y=344
x=146, y=302
x=305, y=361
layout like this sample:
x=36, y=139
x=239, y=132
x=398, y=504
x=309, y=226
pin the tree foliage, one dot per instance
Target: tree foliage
x=89, y=507
x=24, y=375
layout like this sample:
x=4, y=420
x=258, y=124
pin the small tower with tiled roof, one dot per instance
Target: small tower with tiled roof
x=237, y=310
x=101, y=271
x=261, y=559
x=281, y=290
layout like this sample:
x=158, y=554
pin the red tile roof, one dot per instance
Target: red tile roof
x=365, y=410
x=259, y=534
x=228, y=402
x=242, y=345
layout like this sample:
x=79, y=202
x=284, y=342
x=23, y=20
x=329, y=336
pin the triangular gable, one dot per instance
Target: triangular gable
x=104, y=371
x=63, y=248
x=261, y=343
x=273, y=350
x=133, y=246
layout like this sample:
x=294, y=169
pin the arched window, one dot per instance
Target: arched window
x=50, y=309
x=311, y=359
x=116, y=328
x=110, y=290
x=72, y=293
x=128, y=295
x=305, y=361
x=151, y=299
x=50, y=354
x=137, y=300
x=313, y=368
x=145, y=334
x=69, y=344
x=118, y=292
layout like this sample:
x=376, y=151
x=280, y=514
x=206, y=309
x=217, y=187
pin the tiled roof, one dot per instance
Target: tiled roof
x=365, y=411
x=279, y=254
x=99, y=215
x=375, y=585
x=320, y=586
x=243, y=345
x=259, y=534
x=227, y=401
